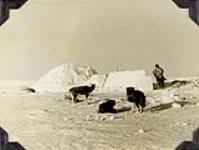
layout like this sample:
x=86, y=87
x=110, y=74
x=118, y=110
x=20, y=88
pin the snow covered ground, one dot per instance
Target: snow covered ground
x=45, y=121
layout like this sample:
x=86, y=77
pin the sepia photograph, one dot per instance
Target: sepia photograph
x=99, y=75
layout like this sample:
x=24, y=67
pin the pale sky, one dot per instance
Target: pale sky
x=130, y=34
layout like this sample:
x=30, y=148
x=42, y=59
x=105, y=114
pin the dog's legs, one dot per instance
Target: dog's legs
x=74, y=98
x=143, y=104
x=86, y=95
x=68, y=97
x=86, y=98
x=65, y=97
x=142, y=109
x=134, y=107
x=137, y=106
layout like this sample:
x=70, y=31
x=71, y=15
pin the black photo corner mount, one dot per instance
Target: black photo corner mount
x=190, y=145
x=192, y=5
x=6, y=5
x=182, y=3
x=6, y=145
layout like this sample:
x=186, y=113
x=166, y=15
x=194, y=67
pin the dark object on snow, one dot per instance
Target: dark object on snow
x=178, y=83
x=137, y=97
x=29, y=89
x=6, y=5
x=107, y=107
x=174, y=83
x=81, y=90
x=192, y=5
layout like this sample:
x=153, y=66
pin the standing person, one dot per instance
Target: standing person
x=158, y=72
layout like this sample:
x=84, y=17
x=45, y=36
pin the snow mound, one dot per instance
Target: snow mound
x=60, y=78
x=180, y=92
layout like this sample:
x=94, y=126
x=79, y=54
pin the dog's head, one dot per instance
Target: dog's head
x=130, y=90
x=111, y=102
x=93, y=86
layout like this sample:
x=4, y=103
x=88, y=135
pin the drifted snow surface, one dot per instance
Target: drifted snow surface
x=45, y=121
x=63, y=76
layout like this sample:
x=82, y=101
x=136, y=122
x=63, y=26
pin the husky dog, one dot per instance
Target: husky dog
x=137, y=97
x=107, y=106
x=81, y=90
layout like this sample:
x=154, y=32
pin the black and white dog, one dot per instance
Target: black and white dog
x=81, y=90
x=137, y=97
